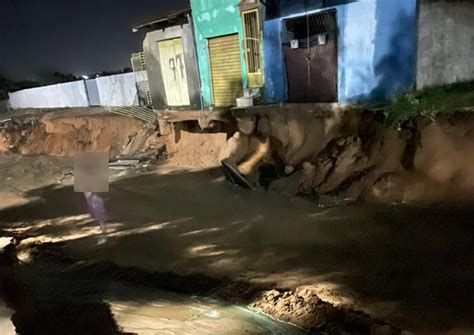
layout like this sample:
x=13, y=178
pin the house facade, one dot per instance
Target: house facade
x=305, y=50
x=338, y=50
x=219, y=35
x=344, y=51
x=171, y=64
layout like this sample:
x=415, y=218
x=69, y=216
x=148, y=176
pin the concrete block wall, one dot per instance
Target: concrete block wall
x=445, y=42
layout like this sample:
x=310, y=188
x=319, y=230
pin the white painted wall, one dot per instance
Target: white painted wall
x=71, y=94
x=118, y=90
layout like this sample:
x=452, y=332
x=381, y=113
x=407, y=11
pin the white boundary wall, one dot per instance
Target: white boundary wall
x=71, y=94
x=117, y=90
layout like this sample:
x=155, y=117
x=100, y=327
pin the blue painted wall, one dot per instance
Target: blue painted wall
x=376, y=47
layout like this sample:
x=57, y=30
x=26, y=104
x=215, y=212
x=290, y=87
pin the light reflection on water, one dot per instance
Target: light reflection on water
x=47, y=290
x=167, y=313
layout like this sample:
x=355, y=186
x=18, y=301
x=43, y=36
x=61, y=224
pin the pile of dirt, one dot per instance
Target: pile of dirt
x=195, y=150
x=304, y=308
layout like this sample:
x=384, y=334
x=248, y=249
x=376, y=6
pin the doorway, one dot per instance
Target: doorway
x=173, y=71
x=226, y=70
x=310, y=49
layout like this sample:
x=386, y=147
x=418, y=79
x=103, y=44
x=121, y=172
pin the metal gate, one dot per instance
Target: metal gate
x=173, y=71
x=226, y=70
x=310, y=49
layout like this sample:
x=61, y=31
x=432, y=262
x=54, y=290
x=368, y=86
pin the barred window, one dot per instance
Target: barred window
x=252, y=41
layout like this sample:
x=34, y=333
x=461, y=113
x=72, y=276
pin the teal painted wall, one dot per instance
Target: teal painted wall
x=213, y=18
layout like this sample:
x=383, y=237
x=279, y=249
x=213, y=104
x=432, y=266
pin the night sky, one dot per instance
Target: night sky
x=73, y=36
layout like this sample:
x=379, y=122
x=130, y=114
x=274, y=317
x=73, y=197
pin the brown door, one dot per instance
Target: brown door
x=297, y=74
x=311, y=58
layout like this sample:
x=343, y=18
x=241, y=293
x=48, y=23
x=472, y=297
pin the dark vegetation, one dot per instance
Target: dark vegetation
x=430, y=103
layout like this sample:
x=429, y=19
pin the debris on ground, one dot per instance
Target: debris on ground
x=304, y=308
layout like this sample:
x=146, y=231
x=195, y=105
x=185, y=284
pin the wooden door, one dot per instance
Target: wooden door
x=311, y=60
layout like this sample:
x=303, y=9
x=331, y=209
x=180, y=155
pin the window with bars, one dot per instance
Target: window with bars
x=307, y=29
x=252, y=44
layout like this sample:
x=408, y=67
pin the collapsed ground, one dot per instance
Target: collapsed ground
x=407, y=265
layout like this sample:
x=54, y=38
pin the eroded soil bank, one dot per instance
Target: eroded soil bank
x=317, y=150
x=350, y=153
x=64, y=132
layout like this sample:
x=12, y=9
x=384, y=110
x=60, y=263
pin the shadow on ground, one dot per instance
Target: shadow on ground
x=418, y=261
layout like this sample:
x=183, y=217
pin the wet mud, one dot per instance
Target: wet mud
x=57, y=294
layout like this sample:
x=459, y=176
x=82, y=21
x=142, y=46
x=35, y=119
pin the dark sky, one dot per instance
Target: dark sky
x=72, y=36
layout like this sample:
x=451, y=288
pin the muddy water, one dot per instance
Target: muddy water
x=172, y=314
x=57, y=298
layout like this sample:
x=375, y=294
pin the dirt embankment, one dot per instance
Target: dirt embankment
x=352, y=154
x=64, y=133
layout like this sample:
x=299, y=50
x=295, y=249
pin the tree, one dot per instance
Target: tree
x=5, y=86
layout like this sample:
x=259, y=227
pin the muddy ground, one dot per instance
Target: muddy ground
x=320, y=260
x=408, y=266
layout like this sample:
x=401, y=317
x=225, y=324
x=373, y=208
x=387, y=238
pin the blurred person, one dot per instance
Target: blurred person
x=95, y=205
x=91, y=177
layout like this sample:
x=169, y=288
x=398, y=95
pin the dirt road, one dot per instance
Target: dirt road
x=410, y=266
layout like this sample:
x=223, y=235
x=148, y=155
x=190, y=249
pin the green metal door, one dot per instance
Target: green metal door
x=173, y=71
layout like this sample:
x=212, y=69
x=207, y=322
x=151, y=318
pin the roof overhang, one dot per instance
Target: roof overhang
x=173, y=19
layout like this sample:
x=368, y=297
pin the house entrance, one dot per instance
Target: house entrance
x=310, y=48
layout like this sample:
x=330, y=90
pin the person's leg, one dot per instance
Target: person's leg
x=103, y=228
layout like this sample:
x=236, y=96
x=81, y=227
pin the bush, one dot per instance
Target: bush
x=429, y=103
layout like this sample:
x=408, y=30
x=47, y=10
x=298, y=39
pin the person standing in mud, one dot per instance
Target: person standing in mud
x=91, y=177
x=95, y=205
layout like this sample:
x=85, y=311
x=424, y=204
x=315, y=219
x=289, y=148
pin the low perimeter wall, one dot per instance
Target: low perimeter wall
x=72, y=94
x=116, y=90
